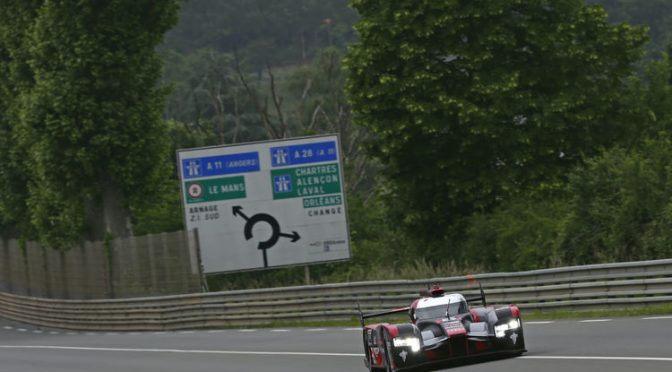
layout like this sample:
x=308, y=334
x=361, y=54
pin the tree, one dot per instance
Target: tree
x=275, y=32
x=471, y=102
x=621, y=205
x=615, y=207
x=317, y=104
x=90, y=122
x=657, y=14
x=16, y=78
x=208, y=96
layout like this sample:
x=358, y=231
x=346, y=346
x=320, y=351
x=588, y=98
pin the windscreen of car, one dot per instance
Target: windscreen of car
x=435, y=312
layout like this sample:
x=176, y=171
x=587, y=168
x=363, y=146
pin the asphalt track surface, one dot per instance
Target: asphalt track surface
x=626, y=344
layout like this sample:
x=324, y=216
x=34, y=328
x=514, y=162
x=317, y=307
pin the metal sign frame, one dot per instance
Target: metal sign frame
x=259, y=217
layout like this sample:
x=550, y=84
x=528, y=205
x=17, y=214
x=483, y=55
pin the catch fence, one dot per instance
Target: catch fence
x=160, y=264
x=606, y=286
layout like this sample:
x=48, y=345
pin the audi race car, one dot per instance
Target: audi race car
x=443, y=329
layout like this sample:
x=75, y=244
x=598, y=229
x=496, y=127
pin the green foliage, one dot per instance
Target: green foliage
x=319, y=103
x=209, y=98
x=164, y=214
x=88, y=117
x=656, y=14
x=470, y=102
x=657, y=96
x=621, y=207
x=481, y=113
x=522, y=234
x=276, y=32
x=616, y=207
x=15, y=77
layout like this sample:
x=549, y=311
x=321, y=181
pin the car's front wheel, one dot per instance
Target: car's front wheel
x=387, y=341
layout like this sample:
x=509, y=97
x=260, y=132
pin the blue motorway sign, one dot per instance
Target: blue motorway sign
x=303, y=154
x=220, y=165
x=282, y=183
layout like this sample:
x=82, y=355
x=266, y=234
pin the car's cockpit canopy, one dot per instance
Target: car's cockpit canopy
x=441, y=306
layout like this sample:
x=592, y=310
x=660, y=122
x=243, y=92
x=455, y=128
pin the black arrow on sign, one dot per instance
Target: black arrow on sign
x=275, y=227
x=238, y=211
x=294, y=235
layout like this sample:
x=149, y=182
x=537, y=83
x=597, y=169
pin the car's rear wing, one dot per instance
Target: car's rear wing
x=364, y=316
x=478, y=298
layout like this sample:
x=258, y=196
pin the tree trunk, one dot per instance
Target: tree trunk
x=108, y=214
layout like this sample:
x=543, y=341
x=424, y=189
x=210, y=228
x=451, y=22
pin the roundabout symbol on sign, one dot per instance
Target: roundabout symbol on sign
x=275, y=228
x=195, y=190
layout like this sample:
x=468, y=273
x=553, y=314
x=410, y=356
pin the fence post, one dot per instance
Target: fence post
x=120, y=276
x=26, y=268
x=165, y=267
x=5, y=279
x=35, y=261
x=138, y=285
x=113, y=272
x=49, y=292
x=109, y=257
x=181, y=248
x=152, y=264
x=96, y=254
x=84, y=264
x=64, y=274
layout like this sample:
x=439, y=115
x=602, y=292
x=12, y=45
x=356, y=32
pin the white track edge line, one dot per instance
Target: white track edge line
x=654, y=359
x=657, y=317
x=183, y=351
x=174, y=351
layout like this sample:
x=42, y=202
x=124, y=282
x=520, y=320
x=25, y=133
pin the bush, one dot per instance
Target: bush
x=522, y=234
x=621, y=206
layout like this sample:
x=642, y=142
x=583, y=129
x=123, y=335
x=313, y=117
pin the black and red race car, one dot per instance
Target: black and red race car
x=443, y=329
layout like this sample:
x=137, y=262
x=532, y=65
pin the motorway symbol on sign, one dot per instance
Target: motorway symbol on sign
x=194, y=168
x=283, y=183
x=280, y=156
x=275, y=227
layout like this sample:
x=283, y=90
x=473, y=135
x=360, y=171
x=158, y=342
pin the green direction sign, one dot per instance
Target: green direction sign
x=215, y=189
x=323, y=201
x=306, y=181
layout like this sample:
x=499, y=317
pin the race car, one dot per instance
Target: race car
x=442, y=329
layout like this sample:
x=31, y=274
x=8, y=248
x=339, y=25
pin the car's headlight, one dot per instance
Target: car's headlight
x=412, y=342
x=501, y=329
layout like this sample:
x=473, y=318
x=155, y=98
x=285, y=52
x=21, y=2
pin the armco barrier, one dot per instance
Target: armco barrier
x=572, y=288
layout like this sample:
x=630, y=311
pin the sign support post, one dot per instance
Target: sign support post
x=201, y=274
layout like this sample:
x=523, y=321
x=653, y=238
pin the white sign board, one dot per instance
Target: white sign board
x=266, y=204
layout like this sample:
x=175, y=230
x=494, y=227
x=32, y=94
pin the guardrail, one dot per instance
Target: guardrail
x=569, y=288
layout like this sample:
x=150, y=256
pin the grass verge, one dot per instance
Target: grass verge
x=665, y=309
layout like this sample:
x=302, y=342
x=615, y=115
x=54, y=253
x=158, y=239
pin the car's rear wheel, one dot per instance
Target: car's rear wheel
x=367, y=352
x=521, y=340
